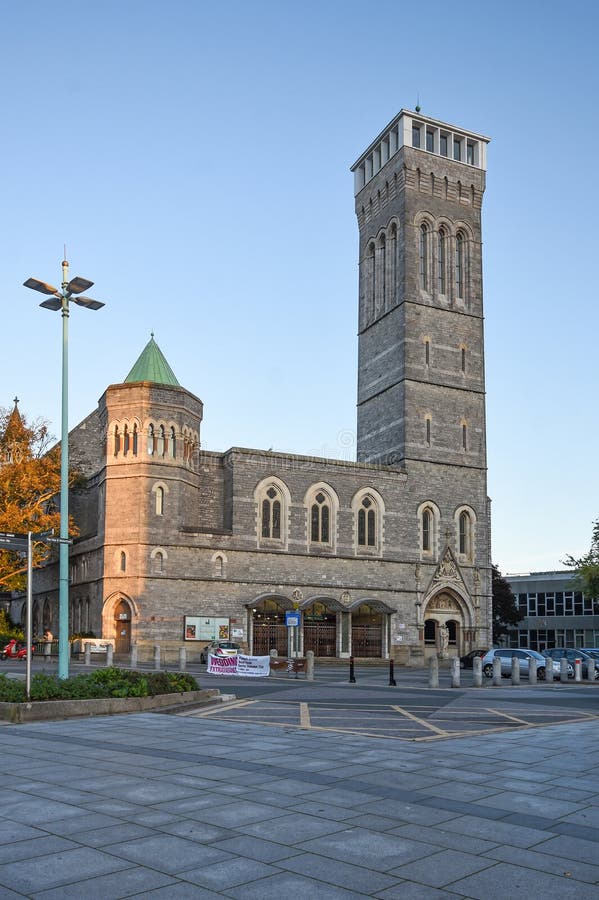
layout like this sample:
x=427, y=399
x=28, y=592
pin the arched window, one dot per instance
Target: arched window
x=117, y=440
x=441, y=261
x=367, y=529
x=428, y=431
x=427, y=531
x=381, y=275
x=160, y=442
x=126, y=440
x=151, y=440
x=158, y=563
x=463, y=355
x=172, y=443
x=464, y=436
x=271, y=514
x=159, y=501
x=219, y=566
x=427, y=352
x=430, y=631
x=371, y=274
x=428, y=524
x=123, y=563
x=320, y=519
x=423, y=254
x=459, y=265
x=465, y=532
x=135, y=440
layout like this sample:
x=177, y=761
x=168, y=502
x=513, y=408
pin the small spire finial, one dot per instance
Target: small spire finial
x=16, y=401
x=152, y=335
x=417, y=107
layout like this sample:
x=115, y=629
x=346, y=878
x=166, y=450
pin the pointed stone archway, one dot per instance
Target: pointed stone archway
x=448, y=618
x=118, y=621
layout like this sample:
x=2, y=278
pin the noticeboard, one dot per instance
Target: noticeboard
x=206, y=628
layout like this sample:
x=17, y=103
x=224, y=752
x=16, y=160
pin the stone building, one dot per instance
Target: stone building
x=388, y=556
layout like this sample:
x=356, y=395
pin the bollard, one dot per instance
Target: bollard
x=515, y=670
x=455, y=672
x=477, y=672
x=133, y=658
x=182, y=659
x=577, y=670
x=563, y=670
x=156, y=656
x=88, y=654
x=532, y=671
x=309, y=665
x=497, y=671
x=548, y=668
x=47, y=648
x=392, y=681
x=109, y=653
x=273, y=655
x=352, y=677
x=433, y=672
x=591, y=668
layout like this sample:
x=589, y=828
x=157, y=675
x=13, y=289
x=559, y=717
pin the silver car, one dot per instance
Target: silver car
x=524, y=657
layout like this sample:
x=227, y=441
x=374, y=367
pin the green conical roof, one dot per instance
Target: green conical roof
x=152, y=366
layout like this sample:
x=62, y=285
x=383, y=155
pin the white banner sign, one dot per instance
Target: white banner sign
x=252, y=666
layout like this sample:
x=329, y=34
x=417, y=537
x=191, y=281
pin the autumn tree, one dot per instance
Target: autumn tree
x=586, y=576
x=505, y=611
x=29, y=482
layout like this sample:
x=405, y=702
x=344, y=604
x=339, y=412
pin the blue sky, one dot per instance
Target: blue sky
x=195, y=157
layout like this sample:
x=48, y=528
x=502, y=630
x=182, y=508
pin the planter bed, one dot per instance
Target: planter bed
x=37, y=711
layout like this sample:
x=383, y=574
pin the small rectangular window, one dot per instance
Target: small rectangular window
x=457, y=149
x=470, y=153
x=430, y=141
x=415, y=135
x=443, y=144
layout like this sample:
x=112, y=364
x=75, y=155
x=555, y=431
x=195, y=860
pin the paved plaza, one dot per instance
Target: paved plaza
x=168, y=806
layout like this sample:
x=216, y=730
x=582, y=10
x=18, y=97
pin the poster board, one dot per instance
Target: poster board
x=206, y=628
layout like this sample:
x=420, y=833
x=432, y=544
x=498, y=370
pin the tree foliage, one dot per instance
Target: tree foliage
x=505, y=611
x=586, y=577
x=29, y=482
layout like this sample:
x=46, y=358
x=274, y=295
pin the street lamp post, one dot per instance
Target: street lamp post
x=60, y=299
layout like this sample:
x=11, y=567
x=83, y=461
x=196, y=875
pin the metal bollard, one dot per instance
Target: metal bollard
x=352, y=677
x=88, y=654
x=309, y=665
x=433, y=672
x=591, y=668
x=182, y=659
x=532, y=671
x=156, y=656
x=563, y=670
x=392, y=681
x=477, y=672
x=515, y=670
x=497, y=671
x=133, y=658
x=109, y=654
x=455, y=672
x=577, y=670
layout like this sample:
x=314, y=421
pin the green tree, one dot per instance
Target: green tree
x=29, y=482
x=505, y=611
x=586, y=576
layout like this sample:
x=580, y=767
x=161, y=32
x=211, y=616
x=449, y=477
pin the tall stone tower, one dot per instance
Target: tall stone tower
x=419, y=189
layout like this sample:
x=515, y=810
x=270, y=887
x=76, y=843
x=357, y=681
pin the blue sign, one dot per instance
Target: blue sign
x=292, y=619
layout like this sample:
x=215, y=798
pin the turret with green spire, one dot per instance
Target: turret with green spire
x=152, y=366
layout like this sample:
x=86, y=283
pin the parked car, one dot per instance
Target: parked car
x=572, y=653
x=467, y=660
x=219, y=648
x=524, y=655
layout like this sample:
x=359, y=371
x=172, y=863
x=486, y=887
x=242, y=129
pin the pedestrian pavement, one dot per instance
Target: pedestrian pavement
x=161, y=806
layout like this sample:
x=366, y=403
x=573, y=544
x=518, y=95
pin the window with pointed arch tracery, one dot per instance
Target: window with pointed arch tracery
x=271, y=514
x=367, y=523
x=320, y=519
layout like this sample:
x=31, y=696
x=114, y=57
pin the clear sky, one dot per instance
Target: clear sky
x=194, y=157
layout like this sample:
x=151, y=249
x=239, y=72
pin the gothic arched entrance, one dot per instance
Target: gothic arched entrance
x=122, y=627
x=366, y=631
x=269, y=631
x=444, y=622
x=320, y=629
